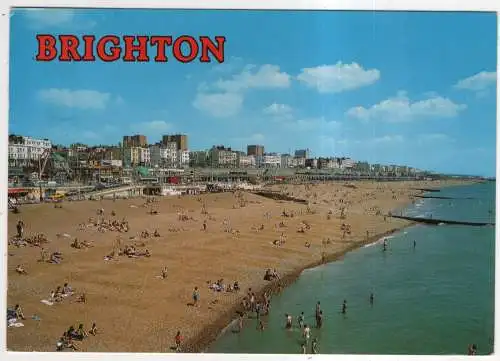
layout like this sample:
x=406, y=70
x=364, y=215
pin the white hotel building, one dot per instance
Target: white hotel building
x=27, y=150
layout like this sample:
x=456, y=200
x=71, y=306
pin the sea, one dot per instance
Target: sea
x=432, y=298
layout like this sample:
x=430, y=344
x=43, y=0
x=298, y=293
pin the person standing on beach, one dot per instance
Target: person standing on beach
x=196, y=297
x=252, y=302
x=20, y=229
x=178, y=340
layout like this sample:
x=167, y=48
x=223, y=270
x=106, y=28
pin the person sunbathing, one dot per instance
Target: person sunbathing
x=130, y=251
x=19, y=312
x=144, y=253
x=55, y=296
x=81, y=332
x=20, y=269
x=56, y=257
x=156, y=234
x=82, y=298
x=76, y=244
x=61, y=343
x=67, y=290
x=93, y=330
x=71, y=345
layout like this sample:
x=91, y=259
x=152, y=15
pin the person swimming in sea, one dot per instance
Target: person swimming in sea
x=288, y=321
x=414, y=244
x=318, y=309
x=472, y=350
x=300, y=320
x=314, y=346
x=306, y=333
x=344, y=307
x=319, y=320
x=371, y=299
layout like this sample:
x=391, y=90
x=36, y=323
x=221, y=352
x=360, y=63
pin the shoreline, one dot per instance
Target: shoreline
x=212, y=332
x=183, y=248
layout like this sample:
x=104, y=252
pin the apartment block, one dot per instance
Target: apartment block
x=137, y=140
x=220, y=156
x=181, y=140
x=255, y=150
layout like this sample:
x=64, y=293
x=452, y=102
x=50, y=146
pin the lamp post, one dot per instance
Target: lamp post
x=42, y=162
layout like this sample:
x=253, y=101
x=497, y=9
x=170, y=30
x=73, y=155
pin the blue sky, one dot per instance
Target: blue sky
x=394, y=87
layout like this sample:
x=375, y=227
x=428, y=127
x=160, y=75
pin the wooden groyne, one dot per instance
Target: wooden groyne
x=280, y=197
x=427, y=189
x=442, y=221
x=442, y=197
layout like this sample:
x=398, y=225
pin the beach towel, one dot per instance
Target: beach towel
x=16, y=324
x=47, y=302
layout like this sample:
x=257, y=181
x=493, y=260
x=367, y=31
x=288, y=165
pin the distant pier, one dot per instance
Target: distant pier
x=442, y=221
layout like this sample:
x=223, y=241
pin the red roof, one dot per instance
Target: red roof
x=17, y=190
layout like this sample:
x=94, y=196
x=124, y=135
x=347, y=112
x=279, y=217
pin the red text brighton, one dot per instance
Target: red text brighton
x=130, y=48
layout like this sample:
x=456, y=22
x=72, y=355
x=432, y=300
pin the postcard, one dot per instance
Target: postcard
x=251, y=181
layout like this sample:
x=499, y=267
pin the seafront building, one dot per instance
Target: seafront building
x=170, y=156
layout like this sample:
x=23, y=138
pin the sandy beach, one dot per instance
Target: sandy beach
x=135, y=310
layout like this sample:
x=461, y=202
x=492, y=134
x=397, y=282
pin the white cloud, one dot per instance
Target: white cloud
x=434, y=137
x=266, y=76
x=81, y=99
x=338, y=77
x=478, y=82
x=229, y=65
x=119, y=100
x=400, y=108
x=388, y=139
x=255, y=138
x=154, y=126
x=219, y=105
x=44, y=17
x=319, y=124
x=89, y=135
x=278, y=109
